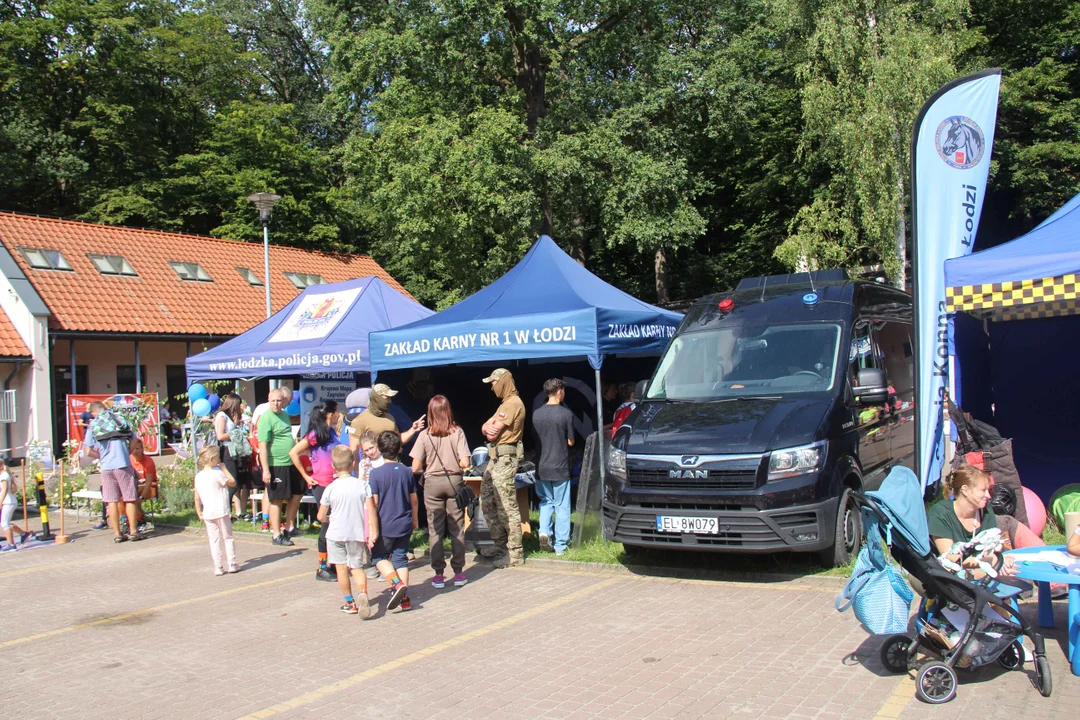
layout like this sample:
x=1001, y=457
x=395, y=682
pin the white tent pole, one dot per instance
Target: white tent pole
x=600, y=426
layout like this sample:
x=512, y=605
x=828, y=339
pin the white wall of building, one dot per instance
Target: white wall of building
x=31, y=381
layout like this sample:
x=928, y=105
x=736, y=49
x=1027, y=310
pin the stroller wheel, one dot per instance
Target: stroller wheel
x=1042, y=676
x=894, y=653
x=935, y=683
x=1012, y=657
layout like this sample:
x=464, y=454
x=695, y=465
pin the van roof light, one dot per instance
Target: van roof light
x=727, y=305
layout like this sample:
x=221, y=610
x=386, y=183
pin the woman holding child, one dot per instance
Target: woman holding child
x=441, y=454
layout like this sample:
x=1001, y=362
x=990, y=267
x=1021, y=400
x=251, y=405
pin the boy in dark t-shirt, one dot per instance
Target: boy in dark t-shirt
x=554, y=426
x=394, y=493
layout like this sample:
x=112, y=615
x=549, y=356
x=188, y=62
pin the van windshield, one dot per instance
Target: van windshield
x=748, y=361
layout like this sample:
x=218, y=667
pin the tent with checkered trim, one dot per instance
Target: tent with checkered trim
x=1015, y=340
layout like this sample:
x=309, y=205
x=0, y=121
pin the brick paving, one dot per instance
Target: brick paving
x=144, y=630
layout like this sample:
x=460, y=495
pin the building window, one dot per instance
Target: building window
x=41, y=259
x=249, y=276
x=190, y=271
x=112, y=265
x=125, y=378
x=303, y=280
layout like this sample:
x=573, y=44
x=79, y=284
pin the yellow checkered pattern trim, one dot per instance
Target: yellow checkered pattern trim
x=1019, y=300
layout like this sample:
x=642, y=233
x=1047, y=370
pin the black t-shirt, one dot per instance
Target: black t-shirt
x=554, y=426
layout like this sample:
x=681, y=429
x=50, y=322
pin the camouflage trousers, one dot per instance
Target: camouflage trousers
x=498, y=500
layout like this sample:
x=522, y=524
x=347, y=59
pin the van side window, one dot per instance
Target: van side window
x=894, y=343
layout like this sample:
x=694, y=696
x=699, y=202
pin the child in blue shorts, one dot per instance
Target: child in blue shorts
x=394, y=493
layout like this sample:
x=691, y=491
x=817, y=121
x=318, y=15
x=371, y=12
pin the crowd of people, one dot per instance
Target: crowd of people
x=370, y=494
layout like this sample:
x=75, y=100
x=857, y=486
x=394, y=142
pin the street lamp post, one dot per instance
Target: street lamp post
x=264, y=201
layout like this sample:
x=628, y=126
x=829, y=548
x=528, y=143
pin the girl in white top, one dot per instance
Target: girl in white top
x=8, y=503
x=212, y=484
x=369, y=458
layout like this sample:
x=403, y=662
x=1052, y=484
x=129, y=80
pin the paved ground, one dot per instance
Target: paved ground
x=144, y=630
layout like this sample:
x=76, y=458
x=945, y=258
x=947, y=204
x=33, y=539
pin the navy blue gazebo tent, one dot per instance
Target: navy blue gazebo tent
x=1016, y=340
x=546, y=306
x=325, y=329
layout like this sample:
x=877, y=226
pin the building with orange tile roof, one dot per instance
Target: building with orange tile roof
x=124, y=307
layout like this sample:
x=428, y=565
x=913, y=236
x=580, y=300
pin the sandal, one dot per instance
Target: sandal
x=136, y=536
x=120, y=539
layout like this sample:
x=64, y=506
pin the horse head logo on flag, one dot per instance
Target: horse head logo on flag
x=960, y=142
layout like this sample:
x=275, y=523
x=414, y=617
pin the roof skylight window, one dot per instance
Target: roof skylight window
x=304, y=280
x=249, y=276
x=41, y=259
x=192, y=272
x=112, y=265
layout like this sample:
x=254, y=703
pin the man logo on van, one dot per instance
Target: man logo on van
x=692, y=474
x=689, y=460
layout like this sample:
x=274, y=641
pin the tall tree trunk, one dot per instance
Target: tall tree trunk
x=531, y=76
x=901, y=235
x=662, y=295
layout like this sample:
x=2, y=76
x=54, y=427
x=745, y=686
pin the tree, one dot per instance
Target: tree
x=870, y=65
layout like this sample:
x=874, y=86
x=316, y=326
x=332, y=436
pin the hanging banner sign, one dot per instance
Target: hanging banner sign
x=149, y=431
x=950, y=160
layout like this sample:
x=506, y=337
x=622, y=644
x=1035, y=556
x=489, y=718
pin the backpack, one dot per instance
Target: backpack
x=109, y=425
x=237, y=443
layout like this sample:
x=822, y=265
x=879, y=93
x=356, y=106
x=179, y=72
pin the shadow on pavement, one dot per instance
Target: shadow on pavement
x=261, y=560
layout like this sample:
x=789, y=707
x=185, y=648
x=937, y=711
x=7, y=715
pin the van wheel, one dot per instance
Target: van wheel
x=848, y=536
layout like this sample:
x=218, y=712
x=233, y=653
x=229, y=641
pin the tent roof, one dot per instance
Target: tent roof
x=325, y=329
x=546, y=290
x=1038, y=268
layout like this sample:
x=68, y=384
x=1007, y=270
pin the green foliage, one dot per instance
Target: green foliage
x=176, y=484
x=724, y=138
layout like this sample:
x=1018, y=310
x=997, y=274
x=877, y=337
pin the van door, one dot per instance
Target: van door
x=894, y=343
x=871, y=421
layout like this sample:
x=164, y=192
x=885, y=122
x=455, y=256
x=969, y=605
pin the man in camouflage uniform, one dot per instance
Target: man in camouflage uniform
x=498, y=496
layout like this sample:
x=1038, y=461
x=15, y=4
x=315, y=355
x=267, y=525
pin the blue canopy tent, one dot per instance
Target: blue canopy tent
x=546, y=306
x=325, y=329
x=1015, y=340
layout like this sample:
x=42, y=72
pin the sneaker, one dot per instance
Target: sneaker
x=325, y=575
x=406, y=604
x=545, y=544
x=399, y=593
x=234, y=569
x=489, y=552
x=246, y=517
x=349, y=608
x=294, y=532
x=372, y=572
x=460, y=580
x=24, y=537
x=560, y=553
x=124, y=527
x=316, y=525
x=438, y=582
x=99, y=525
x=363, y=607
x=281, y=540
x=219, y=572
x=145, y=527
x=8, y=548
x=265, y=527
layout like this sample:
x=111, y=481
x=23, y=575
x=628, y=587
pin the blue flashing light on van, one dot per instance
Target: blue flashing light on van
x=769, y=406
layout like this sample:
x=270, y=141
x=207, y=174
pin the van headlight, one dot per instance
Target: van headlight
x=616, y=463
x=797, y=461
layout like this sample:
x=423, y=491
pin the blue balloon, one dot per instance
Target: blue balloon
x=294, y=407
x=201, y=407
x=197, y=391
x=215, y=402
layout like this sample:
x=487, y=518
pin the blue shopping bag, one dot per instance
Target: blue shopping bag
x=877, y=593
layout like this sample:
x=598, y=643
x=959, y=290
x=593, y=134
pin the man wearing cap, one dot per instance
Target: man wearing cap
x=498, y=496
x=377, y=418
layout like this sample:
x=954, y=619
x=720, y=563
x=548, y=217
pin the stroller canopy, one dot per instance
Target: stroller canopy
x=901, y=498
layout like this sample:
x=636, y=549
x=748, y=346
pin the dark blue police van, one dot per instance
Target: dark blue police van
x=770, y=405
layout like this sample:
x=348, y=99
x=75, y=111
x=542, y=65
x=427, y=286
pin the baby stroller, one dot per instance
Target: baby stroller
x=960, y=624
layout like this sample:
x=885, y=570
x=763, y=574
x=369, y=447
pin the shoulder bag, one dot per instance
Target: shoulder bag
x=464, y=495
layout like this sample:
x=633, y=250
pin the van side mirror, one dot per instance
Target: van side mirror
x=872, y=388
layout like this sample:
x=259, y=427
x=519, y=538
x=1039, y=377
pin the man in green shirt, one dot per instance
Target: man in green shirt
x=283, y=483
